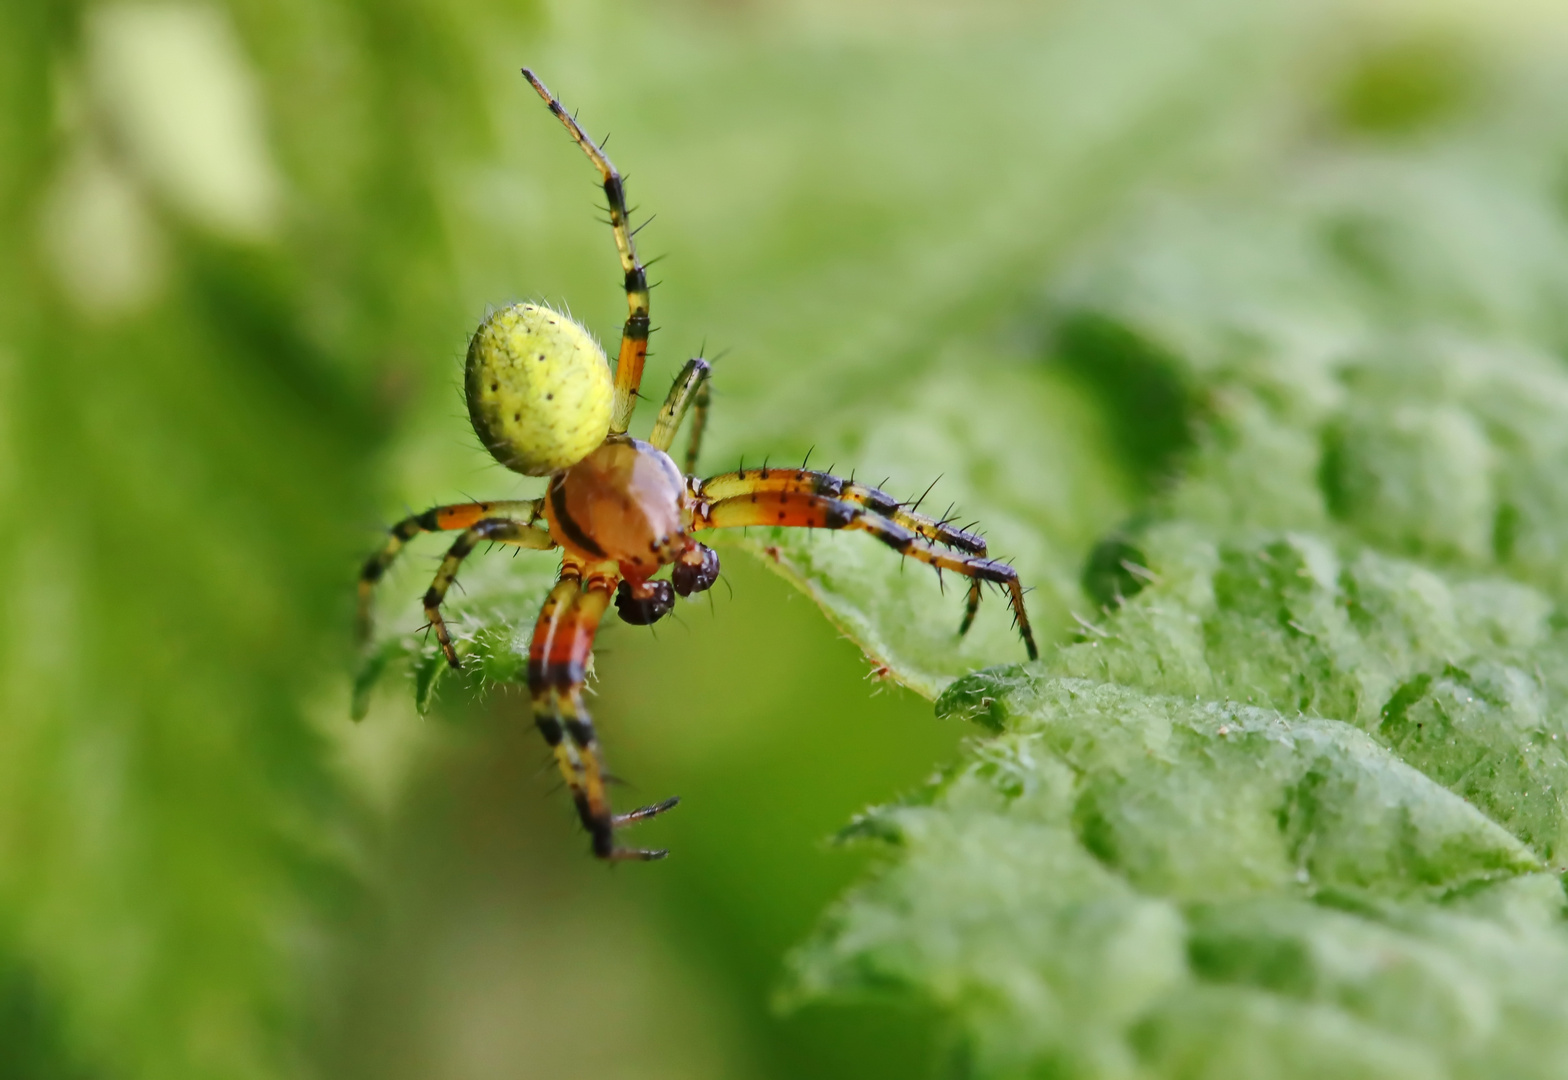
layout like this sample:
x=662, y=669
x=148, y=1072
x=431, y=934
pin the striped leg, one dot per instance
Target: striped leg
x=765, y=485
x=971, y=607
x=557, y=669
x=634, y=336
x=437, y=519
x=699, y=424
x=495, y=530
x=690, y=391
x=805, y=510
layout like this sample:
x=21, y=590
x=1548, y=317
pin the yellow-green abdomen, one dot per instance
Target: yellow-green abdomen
x=539, y=389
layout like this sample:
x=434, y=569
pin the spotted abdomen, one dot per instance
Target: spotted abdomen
x=539, y=389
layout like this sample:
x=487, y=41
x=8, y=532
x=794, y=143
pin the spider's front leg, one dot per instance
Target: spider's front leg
x=436, y=519
x=767, y=484
x=795, y=508
x=495, y=530
x=688, y=392
x=557, y=670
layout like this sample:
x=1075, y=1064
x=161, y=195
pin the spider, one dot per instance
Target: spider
x=542, y=401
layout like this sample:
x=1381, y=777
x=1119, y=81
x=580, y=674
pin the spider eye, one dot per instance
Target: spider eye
x=697, y=575
x=644, y=604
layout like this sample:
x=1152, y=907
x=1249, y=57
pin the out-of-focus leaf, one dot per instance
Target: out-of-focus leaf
x=201, y=295
x=920, y=367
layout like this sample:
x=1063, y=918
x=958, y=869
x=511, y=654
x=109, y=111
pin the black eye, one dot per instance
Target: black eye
x=645, y=604
x=698, y=574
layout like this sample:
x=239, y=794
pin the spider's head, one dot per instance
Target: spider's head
x=644, y=604
x=539, y=389
x=696, y=570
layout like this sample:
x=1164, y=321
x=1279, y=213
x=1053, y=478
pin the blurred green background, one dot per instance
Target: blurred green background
x=241, y=249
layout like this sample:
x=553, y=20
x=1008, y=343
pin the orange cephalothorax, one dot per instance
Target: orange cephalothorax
x=624, y=503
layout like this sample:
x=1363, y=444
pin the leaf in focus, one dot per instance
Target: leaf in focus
x=1292, y=802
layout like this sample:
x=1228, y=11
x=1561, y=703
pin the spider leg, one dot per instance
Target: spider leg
x=690, y=391
x=495, y=530
x=699, y=424
x=634, y=336
x=436, y=519
x=765, y=484
x=807, y=510
x=557, y=670
x=971, y=606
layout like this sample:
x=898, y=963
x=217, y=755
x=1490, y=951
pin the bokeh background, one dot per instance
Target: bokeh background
x=242, y=245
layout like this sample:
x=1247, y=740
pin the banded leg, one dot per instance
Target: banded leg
x=497, y=530
x=699, y=424
x=765, y=485
x=634, y=335
x=806, y=510
x=436, y=519
x=689, y=391
x=971, y=607
x=557, y=669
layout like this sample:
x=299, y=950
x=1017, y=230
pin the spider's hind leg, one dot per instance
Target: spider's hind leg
x=634, y=336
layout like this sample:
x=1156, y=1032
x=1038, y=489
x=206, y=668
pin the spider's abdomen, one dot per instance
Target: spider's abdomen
x=538, y=389
x=625, y=502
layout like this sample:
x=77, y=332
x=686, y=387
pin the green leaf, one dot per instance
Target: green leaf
x=920, y=366
x=211, y=227
x=1294, y=801
x=1075, y=886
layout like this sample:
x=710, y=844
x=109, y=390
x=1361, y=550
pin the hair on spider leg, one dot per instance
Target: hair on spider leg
x=926, y=492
